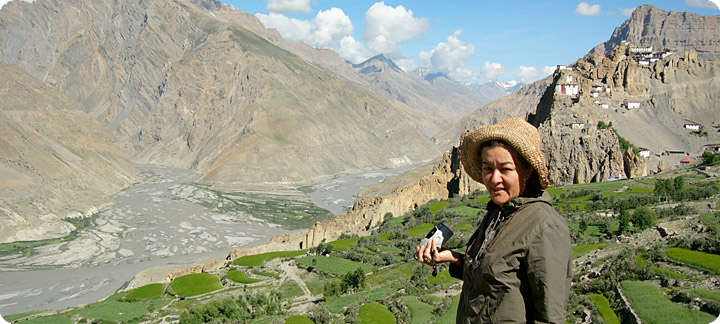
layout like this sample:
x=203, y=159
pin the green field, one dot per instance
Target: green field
x=257, y=260
x=581, y=249
x=241, y=277
x=438, y=206
x=450, y=313
x=112, y=309
x=376, y=313
x=401, y=271
x=290, y=289
x=344, y=244
x=421, y=230
x=299, y=319
x=668, y=273
x=148, y=291
x=196, y=284
x=707, y=294
x=443, y=277
x=603, y=306
x=55, y=319
x=334, y=265
x=465, y=211
x=654, y=308
x=700, y=260
x=420, y=312
x=336, y=305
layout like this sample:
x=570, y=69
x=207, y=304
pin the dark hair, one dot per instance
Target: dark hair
x=532, y=185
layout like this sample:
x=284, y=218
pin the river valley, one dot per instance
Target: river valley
x=163, y=221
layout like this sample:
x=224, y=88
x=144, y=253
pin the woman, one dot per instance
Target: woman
x=516, y=268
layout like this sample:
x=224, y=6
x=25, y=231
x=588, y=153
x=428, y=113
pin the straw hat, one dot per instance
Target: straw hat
x=519, y=134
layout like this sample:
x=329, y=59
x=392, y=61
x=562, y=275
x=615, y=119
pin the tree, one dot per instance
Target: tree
x=710, y=158
x=679, y=183
x=624, y=221
x=643, y=218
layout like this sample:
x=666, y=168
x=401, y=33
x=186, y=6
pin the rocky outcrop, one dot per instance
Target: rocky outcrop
x=680, y=31
x=635, y=165
x=447, y=179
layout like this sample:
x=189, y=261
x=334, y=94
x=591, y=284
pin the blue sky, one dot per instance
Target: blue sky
x=473, y=41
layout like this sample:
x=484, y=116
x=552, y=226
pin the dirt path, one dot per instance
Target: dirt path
x=305, y=302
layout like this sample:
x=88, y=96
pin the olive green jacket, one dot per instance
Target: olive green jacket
x=525, y=274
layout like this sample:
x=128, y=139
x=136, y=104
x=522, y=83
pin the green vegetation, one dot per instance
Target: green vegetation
x=451, y=312
x=375, y=313
x=112, y=309
x=148, y=291
x=241, y=277
x=653, y=307
x=668, y=273
x=290, y=213
x=438, y=206
x=290, y=289
x=707, y=294
x=336, y=305
x=344, y=244
x=603, y=306
x=27, y=248
x=421, y=230
x=196, y=284
x=55, y=319
x=333, y=264
x=581, y=249
x=700, y=260
x=420, y=311
x=257, y=260
x=299, y=319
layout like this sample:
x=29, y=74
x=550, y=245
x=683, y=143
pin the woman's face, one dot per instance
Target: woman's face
x=503, y=174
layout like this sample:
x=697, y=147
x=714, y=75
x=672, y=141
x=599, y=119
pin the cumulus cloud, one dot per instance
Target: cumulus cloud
x=527, y=74
x=406, y=64
x=450, y=57
x=547, y=70
x=386, y=26
x=715, y=4
x=626, y=12
x=327, y=28
x=586, y=9
x=297, y=6
x=492, y=71
x=353, y=51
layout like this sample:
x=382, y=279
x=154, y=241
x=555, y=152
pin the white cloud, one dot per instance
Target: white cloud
x=353, y=50
x=586, y=9
x=297, y=6
x=626, y=12
x=450, y=57
x=715, y=4
x=386, y=26
x=406, y=64
x=547, y=70
x=327, y=28
x=492, y=71
x=527, y=74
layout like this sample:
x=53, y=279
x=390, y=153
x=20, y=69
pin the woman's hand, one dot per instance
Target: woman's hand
x=430, y=255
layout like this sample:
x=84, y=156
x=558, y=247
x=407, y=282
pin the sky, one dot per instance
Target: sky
x=468, y=40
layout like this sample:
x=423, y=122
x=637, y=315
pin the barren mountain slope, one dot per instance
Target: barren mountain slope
x=177, y=86
x=55, y=161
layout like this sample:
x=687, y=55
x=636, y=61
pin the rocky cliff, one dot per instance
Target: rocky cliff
x=679, y=31
x=56, y=162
